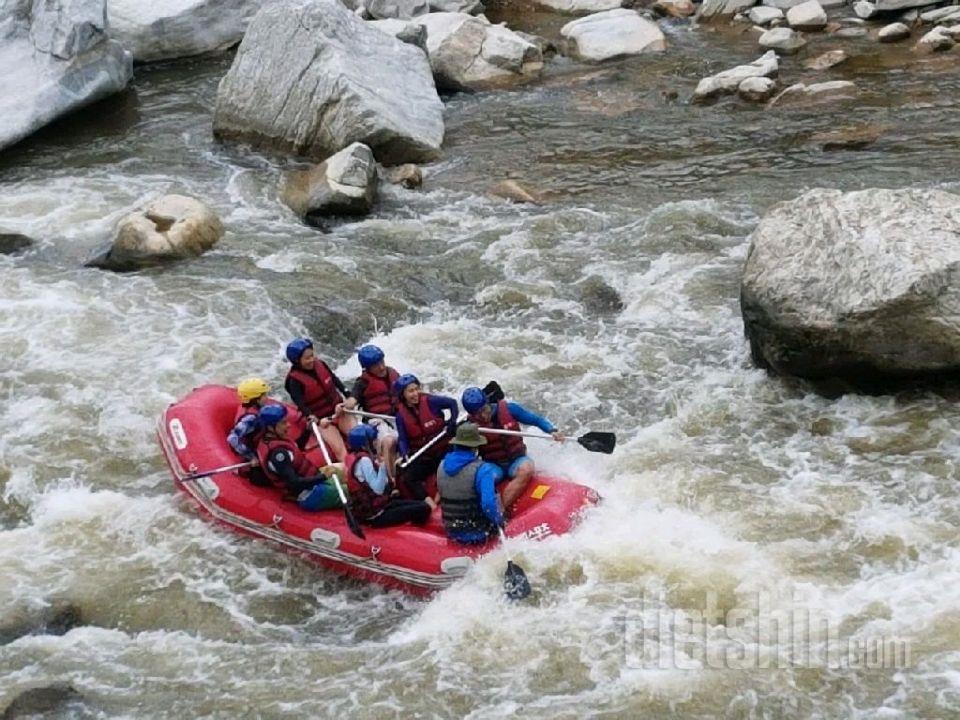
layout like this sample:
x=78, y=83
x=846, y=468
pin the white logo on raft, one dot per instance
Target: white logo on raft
x=177, y=434
x=539, y=532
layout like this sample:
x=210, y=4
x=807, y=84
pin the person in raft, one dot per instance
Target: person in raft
x=419, y=420
x=247, y=430
x=506, y=451
x=373, y=391
x=320, y=396
x=370, y=488
x=288, y=468
x=468, y=489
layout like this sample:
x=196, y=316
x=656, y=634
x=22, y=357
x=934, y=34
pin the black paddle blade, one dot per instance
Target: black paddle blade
x=493, y=391
x=515, y=583
x=601, y=442
x=353, y=524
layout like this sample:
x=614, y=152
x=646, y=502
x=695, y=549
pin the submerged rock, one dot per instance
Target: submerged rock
x=165, y=29
x=55, y=57
x=856, y=284
x=728, y=81
x=612, y=34
x=598, y=297
x=826, y=60
x=468, y=53
x=514, y=191
x=311, y=77
x=343, y=184
x=172, y=227
x=11, y=243
x=52, y=700
x=816, y=92
x=408, y=176
x=848, y=138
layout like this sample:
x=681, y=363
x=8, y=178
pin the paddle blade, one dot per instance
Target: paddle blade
x=515, y=583
x=493, y=391
x=353, y=524
x=601, y=442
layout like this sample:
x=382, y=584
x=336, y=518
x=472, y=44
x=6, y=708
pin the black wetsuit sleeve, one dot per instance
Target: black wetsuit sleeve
x=296, y=392
x=359, y=388
x=280, y=460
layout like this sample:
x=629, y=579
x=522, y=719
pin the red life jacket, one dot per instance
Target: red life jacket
x=422, y=427
x=378, y=396
x=364, y=501
x=500, y=449
x=320, y=393
x=301, y=464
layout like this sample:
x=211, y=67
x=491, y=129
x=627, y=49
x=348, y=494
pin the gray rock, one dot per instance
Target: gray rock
x=893, y=33
x=57, y=699
x=405, y=31
x=850, y=32
x=782, y=4
x=832, y=4
x=756, y=89
x=407, y=175
x=399, y=9
x=910, y=16
x=468, y=52
x=598, y=297
x=939, y=14
x=801, y=93
x=784, y=40
x=612, y=34
x=762, y=15
x=344, y=184
x=172, y=227
x=826, y=60
x=864, y=10
x=728, y=81
x=674, y=8
x=311, y=77
x=11, y=243
x=579, y=7
x=471, y=7
x=55, y=57
x=807, y=16
x=164, y=29
x=888, y=5
x=858, y=285
x=937, y=40
x=716, y=8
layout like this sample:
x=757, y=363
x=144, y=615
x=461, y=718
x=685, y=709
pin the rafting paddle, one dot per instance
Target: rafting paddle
x=364, y=414
x=515, y=583
x=215, y=471
x=594, y=441
x=351, y=520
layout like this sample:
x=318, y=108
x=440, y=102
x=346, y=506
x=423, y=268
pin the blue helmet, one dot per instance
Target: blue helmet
x=473, y=399
x=359, y=436
x=369, y=356
x=296, y=348
x=271, y=415
x=400, y=384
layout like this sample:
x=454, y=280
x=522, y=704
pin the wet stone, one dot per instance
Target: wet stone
x=11, y=243
x=598, y=297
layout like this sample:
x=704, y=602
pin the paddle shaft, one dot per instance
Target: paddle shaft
x=365, y=414
x=215, y=471
x=326, y=457
x=410, y=460
x=496, y=431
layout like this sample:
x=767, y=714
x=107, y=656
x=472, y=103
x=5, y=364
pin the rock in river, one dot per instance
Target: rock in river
x=172, y=227
x=55, y=57
x=165, y=29
x=612, y=34
x=343, y=184
x=310, y=77
x=783, y=40
x=856, y=285
x=469, y=53
x=729, y=80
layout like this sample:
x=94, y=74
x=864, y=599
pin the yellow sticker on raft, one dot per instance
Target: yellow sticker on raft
x=539, y=491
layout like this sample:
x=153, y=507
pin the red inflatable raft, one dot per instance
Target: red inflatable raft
x=193, y=435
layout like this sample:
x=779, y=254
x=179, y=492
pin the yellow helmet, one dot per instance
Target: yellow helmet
x=252, y=388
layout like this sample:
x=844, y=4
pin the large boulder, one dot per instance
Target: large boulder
x=164, y=29
x=579, y=7
x=856, y=284
x=343, y=184
x=310, y=77
x=728, y=81
x=55, y=57
x=468, y=53
x=172, y=227
x=612, y=34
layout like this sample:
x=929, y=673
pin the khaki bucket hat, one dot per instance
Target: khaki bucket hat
x=469, y=435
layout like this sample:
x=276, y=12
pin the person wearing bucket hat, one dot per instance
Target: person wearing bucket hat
x=468, y=489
